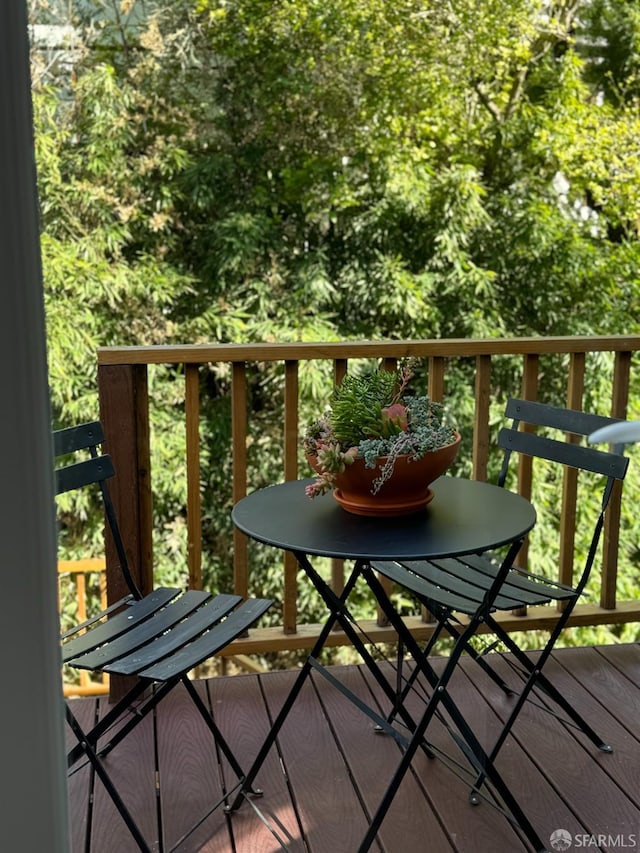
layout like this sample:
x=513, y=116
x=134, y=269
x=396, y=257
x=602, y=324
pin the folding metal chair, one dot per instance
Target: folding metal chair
x=158, y=637
x=461, y=586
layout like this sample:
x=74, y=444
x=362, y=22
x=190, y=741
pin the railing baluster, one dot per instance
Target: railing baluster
x=382, y=620
x=435, y=391
x=75, y=572
x=575, y=392
x=436, y=378
x=340, y=366
x=530, y=368
x=480, y=450
x=529, y=392
x=291, y=394
x=337, y=566
x=239, y=476
x=611, y=544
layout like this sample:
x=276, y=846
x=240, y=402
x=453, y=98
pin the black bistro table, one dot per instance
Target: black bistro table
x=464, y=517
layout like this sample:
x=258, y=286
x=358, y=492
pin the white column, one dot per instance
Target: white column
x=33, y=805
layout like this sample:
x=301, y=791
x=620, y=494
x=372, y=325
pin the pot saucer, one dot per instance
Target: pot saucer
x=377, y=506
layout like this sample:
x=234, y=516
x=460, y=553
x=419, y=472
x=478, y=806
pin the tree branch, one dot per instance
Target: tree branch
x=486, y=101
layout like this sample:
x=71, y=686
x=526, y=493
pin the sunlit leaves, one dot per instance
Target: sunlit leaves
x=250, y=170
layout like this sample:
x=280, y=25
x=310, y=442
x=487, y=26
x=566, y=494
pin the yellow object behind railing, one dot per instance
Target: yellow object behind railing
x=75, y=573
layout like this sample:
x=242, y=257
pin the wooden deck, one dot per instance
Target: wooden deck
x=326, y=776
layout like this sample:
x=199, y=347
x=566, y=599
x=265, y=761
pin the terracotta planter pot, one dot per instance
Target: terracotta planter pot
x=406, y=491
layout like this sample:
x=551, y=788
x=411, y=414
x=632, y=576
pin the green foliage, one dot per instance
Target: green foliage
x=609, y=39
x=248, y=170
x=385, y=146
x=387, y=169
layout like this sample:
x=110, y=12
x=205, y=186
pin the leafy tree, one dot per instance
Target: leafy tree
x=242, y=170
x=608, y=35
x=372, y=153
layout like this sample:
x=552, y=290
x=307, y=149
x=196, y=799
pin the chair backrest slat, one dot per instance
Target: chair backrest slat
x=566, y=420
x=75, y=438
x=574, y=455
x=85, y=473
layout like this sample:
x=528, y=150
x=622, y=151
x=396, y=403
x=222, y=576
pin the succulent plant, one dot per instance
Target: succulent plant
x=373, y=415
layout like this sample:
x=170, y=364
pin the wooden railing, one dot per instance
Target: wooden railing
x=124, y=407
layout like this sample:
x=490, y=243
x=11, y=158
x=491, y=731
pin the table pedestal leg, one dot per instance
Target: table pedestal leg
x=336, y=606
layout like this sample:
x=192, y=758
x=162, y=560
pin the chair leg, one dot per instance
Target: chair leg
x=87, y=748
x=444, y=623
x=160, y=691
x=537, y=677
x=404, y=685
x=217, y=734
x=478, y=657
x=138, y=715
x=106, y=722
x=440, y=696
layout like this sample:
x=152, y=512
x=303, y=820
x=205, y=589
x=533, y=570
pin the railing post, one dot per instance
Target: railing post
x=124, y=412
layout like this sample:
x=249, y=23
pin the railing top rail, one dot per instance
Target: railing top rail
x=461, y=347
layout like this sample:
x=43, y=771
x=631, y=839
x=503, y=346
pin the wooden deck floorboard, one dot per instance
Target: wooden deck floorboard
x=326, y=774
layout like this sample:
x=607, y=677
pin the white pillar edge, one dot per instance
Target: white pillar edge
x=33, y=805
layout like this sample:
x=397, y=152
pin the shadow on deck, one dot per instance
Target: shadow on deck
x=325, y=777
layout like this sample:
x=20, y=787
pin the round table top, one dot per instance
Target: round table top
x=464, y=517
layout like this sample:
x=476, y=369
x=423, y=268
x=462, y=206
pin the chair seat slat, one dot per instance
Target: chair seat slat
x=119, y=624
x=522, y=583
x=421, y=586
x=92, y=620
x=458, y=578
x=203, y=619
x=140, y=633
x=210, y=643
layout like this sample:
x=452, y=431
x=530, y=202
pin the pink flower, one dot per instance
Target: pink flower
x=350, y=455
x=395, y=414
